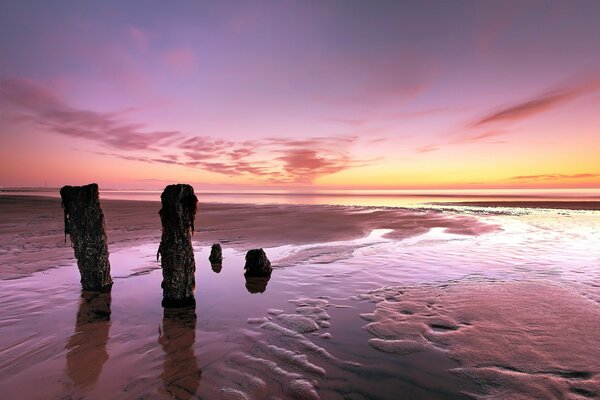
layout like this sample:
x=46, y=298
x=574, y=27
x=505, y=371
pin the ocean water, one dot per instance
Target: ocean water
x=381, y=198
x=436, y=315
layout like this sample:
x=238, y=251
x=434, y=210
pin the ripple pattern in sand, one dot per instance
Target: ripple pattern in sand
x=530, y=339
x=283, y=360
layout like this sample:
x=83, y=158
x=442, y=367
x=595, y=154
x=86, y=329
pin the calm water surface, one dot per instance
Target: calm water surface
x=381, y=198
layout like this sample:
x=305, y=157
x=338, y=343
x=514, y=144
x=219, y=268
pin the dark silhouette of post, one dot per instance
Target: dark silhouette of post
x=257, y=264
x=257, y=271
x=216, y=258
x=216, y=254
x=87, y=346
x=84, y=223
x=179, y=205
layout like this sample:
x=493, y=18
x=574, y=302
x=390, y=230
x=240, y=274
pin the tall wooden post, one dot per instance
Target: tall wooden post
x=179, y=204
x=84, y=223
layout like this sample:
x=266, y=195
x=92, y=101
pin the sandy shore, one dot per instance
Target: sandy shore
x=347, y=313
x=32, y=238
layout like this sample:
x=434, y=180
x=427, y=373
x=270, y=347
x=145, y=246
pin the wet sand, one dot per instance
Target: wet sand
x=32, y=238
x=363, y=303
x=523, y=339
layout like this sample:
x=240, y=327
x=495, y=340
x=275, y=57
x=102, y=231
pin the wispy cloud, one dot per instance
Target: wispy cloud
x=306, y=160
x=492, y=125
x=281, y=160
x=553, y=177
x=47, y=111
x=275, y=160
x=181, y=60
x=423, y=113
x=369, y=82
x=539, y=104
x=139, y=39
x=348, y=121
x=476, y=137
x=270, y=159
x=462, y=138
x=428, y=148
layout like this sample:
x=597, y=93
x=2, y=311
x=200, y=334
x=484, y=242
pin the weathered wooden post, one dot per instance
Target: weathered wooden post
x=179, y=204
x=257, y=263
x=84, y=223
x=216, y=254
x=216, y=258
x=257, y=271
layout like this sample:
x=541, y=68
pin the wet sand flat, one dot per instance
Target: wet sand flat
x=32, y=238
x=363, y=303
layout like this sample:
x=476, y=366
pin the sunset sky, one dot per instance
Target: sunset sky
x=296, y=94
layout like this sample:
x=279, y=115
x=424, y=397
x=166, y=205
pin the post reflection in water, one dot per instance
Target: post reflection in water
x=181, y=375
x=87, y=346
x=257, y=284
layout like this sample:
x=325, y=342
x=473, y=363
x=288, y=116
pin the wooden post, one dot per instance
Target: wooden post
x=216, y=258
x=257, y=263
x=84, y=223
x=179, y=204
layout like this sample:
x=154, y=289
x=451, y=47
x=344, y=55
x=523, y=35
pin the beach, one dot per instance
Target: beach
x=364, y=302
x=299, y=200
x=35, y=223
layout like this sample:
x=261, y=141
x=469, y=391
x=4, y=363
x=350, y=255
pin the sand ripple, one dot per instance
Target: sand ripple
x=520, y=339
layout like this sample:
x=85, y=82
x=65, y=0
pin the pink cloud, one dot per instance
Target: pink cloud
x=473, y=133
x=182, y=60
x=271, y=159
x=139, y=39
x=348, y=121
x=370, y=82
x=552, y=177
x=477, y=137
x=427, y=148
x=47, y=111
x=281, y=160
x=541, y=103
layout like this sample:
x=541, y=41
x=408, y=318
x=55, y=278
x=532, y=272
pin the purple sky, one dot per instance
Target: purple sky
x=330, y=94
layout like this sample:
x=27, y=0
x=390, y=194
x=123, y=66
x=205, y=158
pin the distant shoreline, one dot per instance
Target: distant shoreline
x=558, y=205
x=534, y=194
x=591, y=203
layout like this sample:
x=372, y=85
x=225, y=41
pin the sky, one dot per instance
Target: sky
x=300, y=94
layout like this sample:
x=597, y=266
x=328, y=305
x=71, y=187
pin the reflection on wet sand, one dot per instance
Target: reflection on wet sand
x=257, y=284
x=216, y=267
x=181, y=375
x=87, y=346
